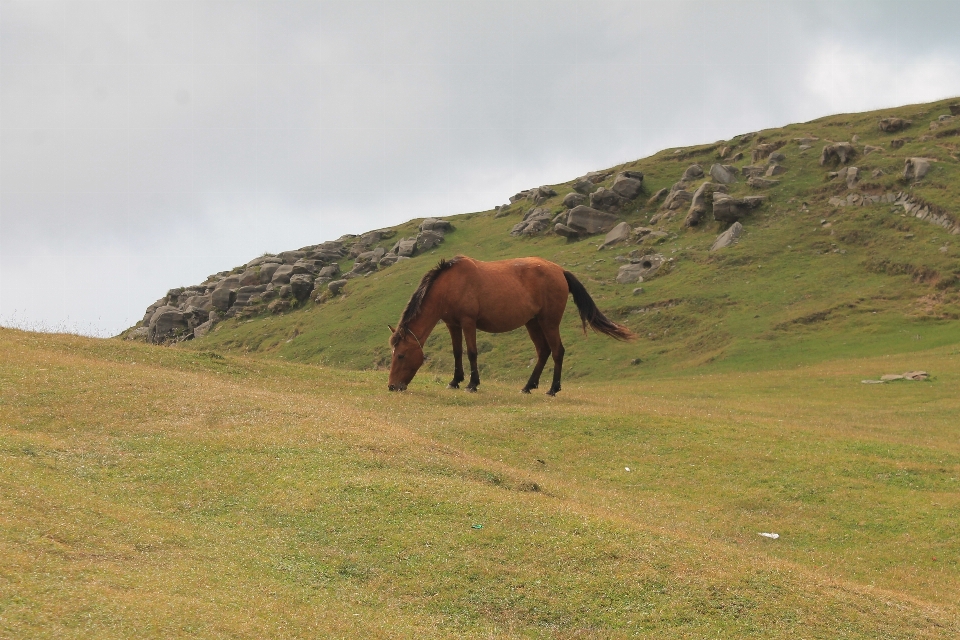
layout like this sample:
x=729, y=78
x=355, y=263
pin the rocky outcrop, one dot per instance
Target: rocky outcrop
x=620, y=233
x=693, y=172
x=702, y=198
x=841, y=152
x=585, y=221
x=640, y=269
x=534, y=221
x=916, y=168
x=728, y=238
x=728, y=209
x=628, y=184
x=574, y=199
x=892, y=125
x=724, y=174
x=607, y=200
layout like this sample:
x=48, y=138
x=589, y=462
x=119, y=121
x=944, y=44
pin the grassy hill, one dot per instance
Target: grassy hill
x=151, y=492
x=809, y=281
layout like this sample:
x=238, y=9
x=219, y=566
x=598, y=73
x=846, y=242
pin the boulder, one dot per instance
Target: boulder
x=775, y=170
x=589, y=221
x=244, y=294
x=723, y=174
x=282, y=274
x=628, y=187
x=248, y=277
x=584, y=186
x=305, y=266
x=868, y=149
x=204, y=302
x=596, y=177
x=222, y=299
x=336, y=286
x=896, y=143
x=286, y=291
x=620, y=233
x=763, y=151
x=677, y=198
x=841, y=152
x=372, y=256
x=289, y=257
x=574, y=199
x=776, y=156
x=728, y=209
x=892, y=125
x=203, y=329
x=267, y=270
x=916, y=168
x=536, y=220
x=762, y=183
x=278, y=306
x=640, y=269
x=657, y=197
x=565, y=231
x=728, y=237
x=693, y=172
x=405, y=247
x=329, y=271
x=435, y=224
x=607, y=200
x=852, y=177
x=750, y=171
x=301, y=286
x=427, y=240
x=166, y=322
x=698, y=206
x=388, y=260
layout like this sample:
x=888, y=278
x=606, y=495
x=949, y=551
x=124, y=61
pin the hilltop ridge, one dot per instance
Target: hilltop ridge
x=816, y=240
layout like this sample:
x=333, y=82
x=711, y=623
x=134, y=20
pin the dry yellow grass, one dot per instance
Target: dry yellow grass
x=152, y=492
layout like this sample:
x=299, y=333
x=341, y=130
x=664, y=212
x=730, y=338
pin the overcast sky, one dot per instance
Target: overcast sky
x=145, y=145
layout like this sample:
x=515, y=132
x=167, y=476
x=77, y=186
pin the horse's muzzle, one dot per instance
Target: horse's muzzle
x=397, y=387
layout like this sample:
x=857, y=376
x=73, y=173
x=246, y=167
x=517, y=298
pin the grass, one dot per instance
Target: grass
x=167, y=492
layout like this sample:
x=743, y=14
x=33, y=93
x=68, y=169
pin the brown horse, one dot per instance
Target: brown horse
x=495, y=297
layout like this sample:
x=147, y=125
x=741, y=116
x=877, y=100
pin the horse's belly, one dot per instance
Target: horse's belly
x=506, y=319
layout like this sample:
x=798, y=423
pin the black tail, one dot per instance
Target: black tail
x=589, y=312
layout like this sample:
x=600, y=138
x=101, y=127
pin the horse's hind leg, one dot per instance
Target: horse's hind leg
x=552, y=333
x=543, y=352
x=456, y=336
x=470, y=334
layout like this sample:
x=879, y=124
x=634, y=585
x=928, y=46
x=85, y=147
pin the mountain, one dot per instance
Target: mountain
x=814, y=241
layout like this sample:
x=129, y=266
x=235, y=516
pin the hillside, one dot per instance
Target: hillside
x=832, y=262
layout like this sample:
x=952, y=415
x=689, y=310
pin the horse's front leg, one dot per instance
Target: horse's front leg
x=470, y=333
x=456, y=336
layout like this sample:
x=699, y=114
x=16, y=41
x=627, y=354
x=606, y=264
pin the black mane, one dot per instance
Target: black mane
x=412, y=309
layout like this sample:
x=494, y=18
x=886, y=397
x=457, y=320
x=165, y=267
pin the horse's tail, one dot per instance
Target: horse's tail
x=589, y=312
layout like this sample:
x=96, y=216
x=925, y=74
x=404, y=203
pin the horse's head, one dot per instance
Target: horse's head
x=407, y=358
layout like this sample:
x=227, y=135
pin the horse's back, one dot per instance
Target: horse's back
x=506, y=294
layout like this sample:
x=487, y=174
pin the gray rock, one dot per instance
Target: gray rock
x=728, y=209
x=916, y=168
x=698, y=206
x=775, y=170
x=286, y=291
x=693, y=172
x=723, y=174
x=248, y=277
x=289, y=257
x=336, y=286
x=305, y=266
x=166, y=322
x=776, y=156
x=329, y=271
x=589, y=221
x=301, y=286
x=762, y=183
x=388, y=260
x=204, y=302
x=628, y=187
x=620, y=233
x=584, y=186
x=574, y=199
x=244, y=294
x=267, y=270
x=629, y=274
x=658, y=196
x=406, y=247
x=427, y=240
x=565, y=231
x=373, y=256
x=751, y=171
x=640, y=269
x=852, y=177
x=435, y=224
x=222, y=299
x=203, y=329
x=607, y=200
x=282, y=274
x=841, y=152
x=677, y=198
x=535, y=221
x=805, y=147
x=728, y=237
x=892, y=125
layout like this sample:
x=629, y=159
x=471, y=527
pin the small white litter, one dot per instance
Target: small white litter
x=626, y=468
x=772, y=536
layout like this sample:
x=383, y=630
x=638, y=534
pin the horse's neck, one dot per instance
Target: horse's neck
x=423, y=324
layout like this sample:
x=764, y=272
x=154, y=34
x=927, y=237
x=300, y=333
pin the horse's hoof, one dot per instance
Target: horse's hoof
x=453, y=385
x=525, y=390
x=471, y=389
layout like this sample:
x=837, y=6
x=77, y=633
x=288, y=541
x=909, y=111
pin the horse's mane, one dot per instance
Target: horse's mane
x=412, y=309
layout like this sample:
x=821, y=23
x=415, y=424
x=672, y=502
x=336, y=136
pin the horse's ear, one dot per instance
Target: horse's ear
x=392, y=330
